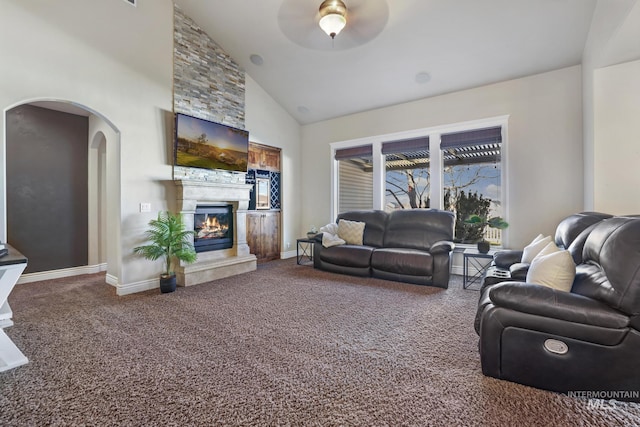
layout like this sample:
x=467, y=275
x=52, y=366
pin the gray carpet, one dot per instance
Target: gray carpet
x=285, y=345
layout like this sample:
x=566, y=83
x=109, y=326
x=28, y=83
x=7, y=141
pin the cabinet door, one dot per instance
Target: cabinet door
x=253, y=233
x=263, y=235
x=264, y=157
x=271, y=235
x=271, y=160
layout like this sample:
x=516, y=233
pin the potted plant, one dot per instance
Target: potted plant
x=483, y=222
x=169, y=240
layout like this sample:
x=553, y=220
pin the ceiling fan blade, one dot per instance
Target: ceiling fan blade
x=298, y=21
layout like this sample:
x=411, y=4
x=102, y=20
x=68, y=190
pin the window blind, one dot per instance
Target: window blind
x=354, y=152
x=406, y=146
x=472, y=137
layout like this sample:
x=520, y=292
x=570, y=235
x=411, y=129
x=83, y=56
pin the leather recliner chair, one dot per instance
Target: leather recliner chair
x=571, y=233
x=506, y=264
x=584, y=340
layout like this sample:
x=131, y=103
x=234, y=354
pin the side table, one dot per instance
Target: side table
x=11, y=267
x=474, y=266
x=304, y=250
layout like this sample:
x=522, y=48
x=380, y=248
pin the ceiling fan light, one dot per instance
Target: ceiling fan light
x=332, y=24
x=333, y=17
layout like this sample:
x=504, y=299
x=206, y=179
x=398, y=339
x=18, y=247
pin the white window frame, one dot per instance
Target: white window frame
x=436, y=192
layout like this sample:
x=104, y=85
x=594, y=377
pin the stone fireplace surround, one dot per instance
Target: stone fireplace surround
x=222, y=263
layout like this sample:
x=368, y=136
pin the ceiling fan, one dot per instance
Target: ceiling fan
x=299, y=22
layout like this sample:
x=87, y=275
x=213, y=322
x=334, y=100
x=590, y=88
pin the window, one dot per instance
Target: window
x=407, y=179
x=472, y=181
x=458, y=167
x=355, y=178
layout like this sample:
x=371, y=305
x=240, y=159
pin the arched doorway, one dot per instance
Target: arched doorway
x=91, y=214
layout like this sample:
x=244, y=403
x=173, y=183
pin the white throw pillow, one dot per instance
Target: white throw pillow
x=555, y=270
x=351, y=231
x=532, y=249
x=549, y=249
x=537, y=238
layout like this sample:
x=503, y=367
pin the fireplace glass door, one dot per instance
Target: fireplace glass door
x=213, y=227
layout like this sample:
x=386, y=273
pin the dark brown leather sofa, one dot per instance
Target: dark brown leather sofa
x=412, y=246
x=585, y=340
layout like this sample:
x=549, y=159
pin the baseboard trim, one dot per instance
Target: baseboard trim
x=288, y=254
x=457, y=269
x=141, y=286
x=111, y=280
x=63, y=272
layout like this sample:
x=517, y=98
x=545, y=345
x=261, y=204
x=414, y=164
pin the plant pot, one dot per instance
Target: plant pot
x=483, y=246
x=167, y=283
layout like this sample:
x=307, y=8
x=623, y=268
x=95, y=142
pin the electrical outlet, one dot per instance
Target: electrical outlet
x=288, y=245
x=145, y=207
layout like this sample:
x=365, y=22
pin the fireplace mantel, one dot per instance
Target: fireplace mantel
x=221, y=263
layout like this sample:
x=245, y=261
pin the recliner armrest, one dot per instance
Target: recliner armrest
x=442, y=247
x=504, y=259
x=519, y=271
x=548, y=302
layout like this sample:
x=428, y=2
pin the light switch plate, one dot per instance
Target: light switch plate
x=145, y=207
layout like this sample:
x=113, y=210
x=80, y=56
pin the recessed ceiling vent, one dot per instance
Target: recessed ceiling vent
x=131, y=2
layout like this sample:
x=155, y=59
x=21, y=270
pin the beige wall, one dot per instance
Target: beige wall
x=268, y=123
x=544, y=147
x=72, y=50
x=613, y=38
x=92, y=52
x=617, y=138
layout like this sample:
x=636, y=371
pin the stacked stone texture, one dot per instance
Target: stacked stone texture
x=207, y=84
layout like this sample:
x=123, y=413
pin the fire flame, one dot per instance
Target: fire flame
x=212, y=229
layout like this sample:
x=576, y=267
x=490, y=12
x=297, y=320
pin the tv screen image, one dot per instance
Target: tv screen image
x=204, y=144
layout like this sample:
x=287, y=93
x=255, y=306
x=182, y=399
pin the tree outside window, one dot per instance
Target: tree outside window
x=470, y=177
x=407, y=175
x=472, y=181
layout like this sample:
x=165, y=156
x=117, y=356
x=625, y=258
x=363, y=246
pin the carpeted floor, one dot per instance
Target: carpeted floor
x=285, y=345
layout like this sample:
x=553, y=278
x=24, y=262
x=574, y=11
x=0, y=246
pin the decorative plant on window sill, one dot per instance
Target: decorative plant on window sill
x=169, y=240
x=493, y=222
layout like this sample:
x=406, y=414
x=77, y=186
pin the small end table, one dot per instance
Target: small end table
x=304, y=250
x=11, y=267
x=474, y=266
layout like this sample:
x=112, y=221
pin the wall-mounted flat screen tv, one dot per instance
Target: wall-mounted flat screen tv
x=209, y=145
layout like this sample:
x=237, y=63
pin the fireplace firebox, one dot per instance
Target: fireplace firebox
x=213, y=227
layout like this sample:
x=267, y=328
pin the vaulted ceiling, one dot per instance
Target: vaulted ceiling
x=391, y=51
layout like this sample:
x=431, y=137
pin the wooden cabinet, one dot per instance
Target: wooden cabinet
x=263, y=226
x=263, y=235
x=264, y=157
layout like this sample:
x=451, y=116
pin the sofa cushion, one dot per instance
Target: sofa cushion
x=348, y=255
x=351, y=231
x=376, y=223
x=418, y=228
x=403, y=261
x=571, y=227
x=610, y=269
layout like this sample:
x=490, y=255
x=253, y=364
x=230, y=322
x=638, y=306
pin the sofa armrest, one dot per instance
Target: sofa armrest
x=551, y=303
x=442, y=247
x=519, y=271
x=317, y=237
x=504, y=259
